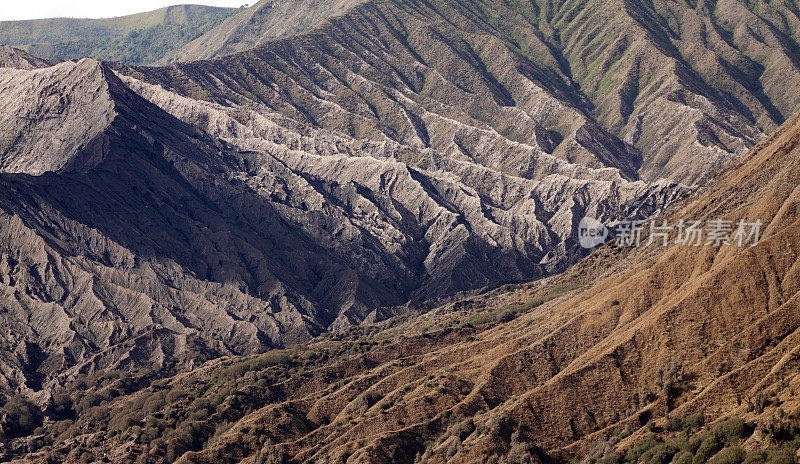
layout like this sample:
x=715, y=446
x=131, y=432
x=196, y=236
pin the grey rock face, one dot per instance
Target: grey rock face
x=13, y=58
x=138, y=225
x=600, y=83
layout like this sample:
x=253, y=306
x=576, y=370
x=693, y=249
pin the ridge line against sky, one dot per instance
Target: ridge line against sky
x=40, y=9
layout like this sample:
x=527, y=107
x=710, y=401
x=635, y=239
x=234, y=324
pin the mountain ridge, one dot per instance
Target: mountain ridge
x=613, y=347
x=138, y=38
x=316, y=249
x=730, y=109
x=242, y=233
x=243, y=31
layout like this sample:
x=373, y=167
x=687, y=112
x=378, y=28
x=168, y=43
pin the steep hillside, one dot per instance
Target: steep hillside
x=123, y=226
x=13, y=58
x=582, y=365
x=266, y=20
x=688, y=85
x=285, y=254
x=140, y=38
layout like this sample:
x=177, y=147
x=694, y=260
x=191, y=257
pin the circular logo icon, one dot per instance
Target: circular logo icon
x=591, y=232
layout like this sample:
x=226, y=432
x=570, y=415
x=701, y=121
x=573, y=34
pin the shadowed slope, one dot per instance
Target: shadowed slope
x=122, y=225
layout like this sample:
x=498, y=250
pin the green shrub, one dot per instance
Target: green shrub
x=732, y=429
x=659, y=454
x=711, y=444
x=756, y=457
x=89, y=401
x=22, y=416
x=761, y=401
x=693, y=444
x=781, y=456
x=687, y=424
x=61, y=404
x=507, y=316
x=611, y=458
x=683, y=457
x=640, y=448
x=730, y=455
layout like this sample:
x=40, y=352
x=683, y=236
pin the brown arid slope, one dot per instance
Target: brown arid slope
x=578, y=365
x=659, y=89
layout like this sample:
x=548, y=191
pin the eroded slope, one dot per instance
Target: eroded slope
x=551, y=368
x=688, y=85
x=235, y=232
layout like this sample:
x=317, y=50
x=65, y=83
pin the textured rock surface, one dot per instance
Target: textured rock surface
x=264, y=21
x=227, y=230
x=48, y=115
x=13, y=58
x=594, y=359
x=574, y=366
x=396, y=156
x=688, y=85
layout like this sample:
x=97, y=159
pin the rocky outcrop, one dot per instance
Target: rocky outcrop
x=14, y=58
x=179, y=227
x=578, y=366
x=48, y=115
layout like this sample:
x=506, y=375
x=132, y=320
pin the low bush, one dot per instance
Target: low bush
x=730, y=455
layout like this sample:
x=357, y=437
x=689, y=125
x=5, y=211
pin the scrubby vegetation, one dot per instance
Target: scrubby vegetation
x=160, y=412
x=685, y=440
x=226, y=409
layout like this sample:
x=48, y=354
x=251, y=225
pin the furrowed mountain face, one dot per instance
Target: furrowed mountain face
x=574, y=366
x=686, y=86
x=266, y=20
x=13, y=58
x=132, y=237
x=396, y=155
x=140, y=38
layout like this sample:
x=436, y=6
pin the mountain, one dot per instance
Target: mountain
x=139, y=38
x=613, y=361
x=317, y=249
x=124, y=226
x=688, y=85
x=630, y=342
x=266, y=20
x=13, y=58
